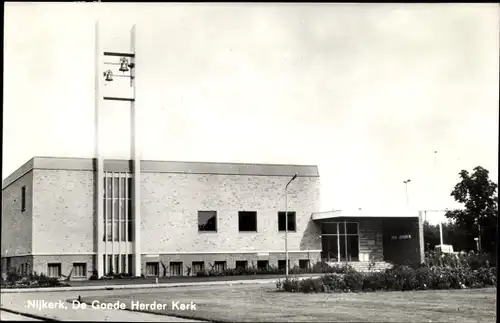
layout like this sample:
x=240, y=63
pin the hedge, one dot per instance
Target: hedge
x=399, y=278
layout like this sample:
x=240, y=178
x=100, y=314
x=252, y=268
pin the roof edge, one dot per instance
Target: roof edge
x=156, y=166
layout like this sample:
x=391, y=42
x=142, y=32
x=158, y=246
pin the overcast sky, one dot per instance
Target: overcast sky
x=366, y=92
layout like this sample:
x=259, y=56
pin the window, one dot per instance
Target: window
x=282, y=221
x=23, y=198
x=152, y=269
x=220, y=266
x=262, y=264
x=340, y=241
x=281, y=264
x=79, y=270
x=304, y=263
x=207, y=221
x=54, y=270
x=198, y=266
x=241, y=264
x=247, y=221
x=118, y=209
x=176, y=269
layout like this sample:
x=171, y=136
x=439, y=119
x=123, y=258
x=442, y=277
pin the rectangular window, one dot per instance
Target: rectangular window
x=329, y=228
x=79, y=270
x=220, y=266
x=198, y=266
x=352, y=228
x=304, y=263
x=54, y=270
x=241, y=264
x=247, y=221
x=130, y=264
x=282, y=221
x=176, y=269
x=207, y=221
x=23, y=198
x=262, y=264
x=281, y=264
x=152, y=269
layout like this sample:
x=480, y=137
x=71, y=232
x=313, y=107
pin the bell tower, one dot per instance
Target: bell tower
x=117, y=229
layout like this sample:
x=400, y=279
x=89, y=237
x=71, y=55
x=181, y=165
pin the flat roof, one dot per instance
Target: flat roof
x=368, y=213
x=154, y=166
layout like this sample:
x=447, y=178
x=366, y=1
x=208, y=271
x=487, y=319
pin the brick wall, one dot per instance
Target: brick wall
x=230, y=259
x=170, y=202
x=40, y=263
x=17, y=225
x=371, y=240
x=63, y=217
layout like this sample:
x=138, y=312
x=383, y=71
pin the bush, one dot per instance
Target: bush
x=353, y=281
x=399, y=278
x=334, y=283
x=373, y=282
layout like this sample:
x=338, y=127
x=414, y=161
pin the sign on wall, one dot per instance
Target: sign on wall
x=401, y=237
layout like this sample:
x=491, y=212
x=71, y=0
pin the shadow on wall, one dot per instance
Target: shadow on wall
x=311, y=239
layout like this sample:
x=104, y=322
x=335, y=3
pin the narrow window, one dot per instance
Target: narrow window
x=241, y=264
x=262, y=264
x=220, y=266
x=247, y=221
x=304, y=263
x=282, y=221
x=23, y=198
x=198, y=266
x=152, y=269
x=207, y=221
x=54, y=270
x=79, y=270
x=176, y=269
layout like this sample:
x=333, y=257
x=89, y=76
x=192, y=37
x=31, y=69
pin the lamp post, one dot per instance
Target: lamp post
x=286, y=224
x=406, y=189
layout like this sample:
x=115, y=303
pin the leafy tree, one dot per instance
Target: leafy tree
x=479, y=217
x=452, y=235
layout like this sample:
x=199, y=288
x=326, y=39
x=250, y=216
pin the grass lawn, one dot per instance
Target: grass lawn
x=262, y=303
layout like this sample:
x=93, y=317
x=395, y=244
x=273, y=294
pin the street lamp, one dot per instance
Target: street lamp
x=286, y=224
x=406, y=189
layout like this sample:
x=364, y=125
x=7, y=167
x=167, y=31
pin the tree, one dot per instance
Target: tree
x=479, y=217
x=452, y=235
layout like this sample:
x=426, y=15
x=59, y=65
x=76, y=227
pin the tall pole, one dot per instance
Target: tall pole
x=406, y=190
x=441, y=232
x=286, y=225
x=136, y=166
x=100, y=162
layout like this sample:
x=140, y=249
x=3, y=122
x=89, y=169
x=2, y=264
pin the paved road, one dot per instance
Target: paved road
x=19, y=303
x=6, y=316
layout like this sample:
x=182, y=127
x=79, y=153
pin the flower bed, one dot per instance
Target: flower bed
x=14, y=280
x=399, y=278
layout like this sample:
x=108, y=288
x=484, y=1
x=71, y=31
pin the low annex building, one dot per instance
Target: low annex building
x=193, y=216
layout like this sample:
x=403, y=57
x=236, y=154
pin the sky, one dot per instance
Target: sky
x=368, y=92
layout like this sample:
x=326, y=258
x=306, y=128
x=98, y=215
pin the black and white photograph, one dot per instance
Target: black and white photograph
x=250, y=162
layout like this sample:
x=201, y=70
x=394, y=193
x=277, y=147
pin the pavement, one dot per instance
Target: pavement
x=142, y=286
x=18, y=306
x=21, y=303
x=8, y=316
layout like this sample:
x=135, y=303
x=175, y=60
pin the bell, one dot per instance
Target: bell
x=123, y=65
x=108, y=76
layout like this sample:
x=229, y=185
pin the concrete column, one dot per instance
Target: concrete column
x=99, y=179
x=136, y=179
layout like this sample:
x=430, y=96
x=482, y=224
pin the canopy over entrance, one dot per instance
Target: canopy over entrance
x=361, y=213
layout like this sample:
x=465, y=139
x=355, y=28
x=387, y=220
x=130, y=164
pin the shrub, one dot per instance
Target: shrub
x=311, y=285
x=374, y=281
x=353, y=281
x=334, y=283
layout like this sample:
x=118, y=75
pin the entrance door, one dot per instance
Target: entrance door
x=329, y=250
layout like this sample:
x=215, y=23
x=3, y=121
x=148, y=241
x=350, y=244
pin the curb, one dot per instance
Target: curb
x=33, y=316
x=138, y=286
